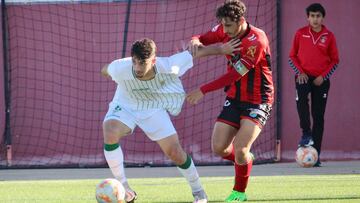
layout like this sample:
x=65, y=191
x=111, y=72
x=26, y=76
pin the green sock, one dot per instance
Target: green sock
x=111, y=147
x=187, y=163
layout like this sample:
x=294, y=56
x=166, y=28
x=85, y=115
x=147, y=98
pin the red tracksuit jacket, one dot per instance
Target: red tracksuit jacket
x=314, y=53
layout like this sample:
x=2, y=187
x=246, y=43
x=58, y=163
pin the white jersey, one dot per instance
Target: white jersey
x=164, y=91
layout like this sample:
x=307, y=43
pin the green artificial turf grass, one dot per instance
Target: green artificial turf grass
x=315, y=188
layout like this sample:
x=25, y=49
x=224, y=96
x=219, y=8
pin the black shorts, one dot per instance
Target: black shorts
x=233, y=111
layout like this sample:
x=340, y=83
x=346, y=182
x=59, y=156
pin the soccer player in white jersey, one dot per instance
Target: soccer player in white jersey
x=148, y=87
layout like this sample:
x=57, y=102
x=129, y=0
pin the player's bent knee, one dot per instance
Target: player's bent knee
x=219, y=150
x=241, y=155
x=113, y=130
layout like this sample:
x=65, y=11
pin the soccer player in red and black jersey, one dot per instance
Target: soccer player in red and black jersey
x=314, y=58
x=248, y=84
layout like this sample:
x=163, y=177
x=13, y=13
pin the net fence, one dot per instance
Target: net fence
x=58, y=97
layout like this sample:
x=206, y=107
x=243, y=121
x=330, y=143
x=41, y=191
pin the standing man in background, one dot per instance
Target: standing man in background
x=314, y=58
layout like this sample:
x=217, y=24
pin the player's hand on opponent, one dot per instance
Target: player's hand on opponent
x=194, y=96
x=194, y=46
x=302, y=79
x=230, y=47
x=318, y=81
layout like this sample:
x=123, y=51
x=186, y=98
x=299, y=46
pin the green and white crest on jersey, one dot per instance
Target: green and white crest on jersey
x=117, y=108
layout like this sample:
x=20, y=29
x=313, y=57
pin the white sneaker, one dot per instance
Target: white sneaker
x=200, y=197
x=130, y=195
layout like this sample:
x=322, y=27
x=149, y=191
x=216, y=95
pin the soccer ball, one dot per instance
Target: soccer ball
x=306, y=156
x=110, y=191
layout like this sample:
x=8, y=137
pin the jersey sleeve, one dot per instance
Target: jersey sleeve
x=215, y=35
x=334, y=57
x=114, y=70
x=176, y=64
x=120, y=69
x=229, y=77
x=293, y=56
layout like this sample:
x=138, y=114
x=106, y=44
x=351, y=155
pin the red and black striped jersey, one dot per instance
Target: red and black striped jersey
x=256, y=86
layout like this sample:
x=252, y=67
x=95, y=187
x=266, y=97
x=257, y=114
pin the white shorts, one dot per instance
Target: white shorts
x=156, y=124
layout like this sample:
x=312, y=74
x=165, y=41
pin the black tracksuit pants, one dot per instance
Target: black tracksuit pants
x=318, y=95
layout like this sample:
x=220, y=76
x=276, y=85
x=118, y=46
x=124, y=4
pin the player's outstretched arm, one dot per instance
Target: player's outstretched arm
x=224, y=49
x=231, y=76
x=104, y=71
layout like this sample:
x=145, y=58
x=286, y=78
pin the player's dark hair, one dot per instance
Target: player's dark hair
x=315, y=7
x=143, y=49
x=233, y=9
